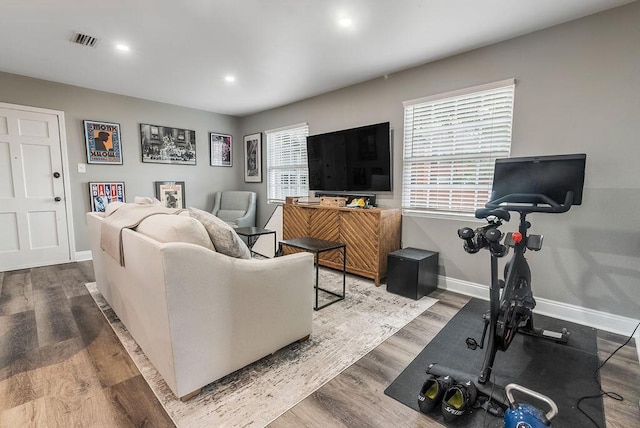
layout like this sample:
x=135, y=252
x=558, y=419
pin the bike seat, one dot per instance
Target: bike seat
x=488, y=212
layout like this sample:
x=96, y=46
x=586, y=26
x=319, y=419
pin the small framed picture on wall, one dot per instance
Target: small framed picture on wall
x=103, y=142
x=103, y=193
x=170, y=193
x=253, y=158
x=220, y=149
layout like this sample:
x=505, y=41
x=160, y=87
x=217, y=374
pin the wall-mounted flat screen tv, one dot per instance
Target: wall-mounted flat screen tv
x=357, y=159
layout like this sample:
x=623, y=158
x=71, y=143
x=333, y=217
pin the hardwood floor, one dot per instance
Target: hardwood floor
x=355, y=398
x=61, y=365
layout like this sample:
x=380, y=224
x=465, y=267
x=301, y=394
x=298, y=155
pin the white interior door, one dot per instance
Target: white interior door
x=33, y=218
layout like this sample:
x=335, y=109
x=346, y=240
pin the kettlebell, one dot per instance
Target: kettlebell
x=523, y=415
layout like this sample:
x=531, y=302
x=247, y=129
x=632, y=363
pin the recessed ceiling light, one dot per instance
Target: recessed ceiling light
x=230, y=78
x=122, y=47
x=345, y=22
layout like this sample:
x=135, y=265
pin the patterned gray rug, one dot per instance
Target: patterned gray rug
x=259, y=393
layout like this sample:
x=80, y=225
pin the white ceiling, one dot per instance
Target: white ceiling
x=280, y=51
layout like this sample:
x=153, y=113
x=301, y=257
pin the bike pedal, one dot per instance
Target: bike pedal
x=471, y=343
x=529, y=302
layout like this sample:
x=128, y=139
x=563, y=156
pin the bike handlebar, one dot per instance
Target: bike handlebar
x=528, y=202
x=484, y=237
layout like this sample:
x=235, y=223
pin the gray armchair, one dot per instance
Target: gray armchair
x=238, y=208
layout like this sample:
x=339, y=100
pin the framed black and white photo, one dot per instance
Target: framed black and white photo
x=103, y=193
x=170, y=193
x=220, y=149
x=163, y=144
x=103, y=142
x=253, y=158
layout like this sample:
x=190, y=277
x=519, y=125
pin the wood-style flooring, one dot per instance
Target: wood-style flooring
x=61, y=365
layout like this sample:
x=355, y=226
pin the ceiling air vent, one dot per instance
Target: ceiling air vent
x=84, y=39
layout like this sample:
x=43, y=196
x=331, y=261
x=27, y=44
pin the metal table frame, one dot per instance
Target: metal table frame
x=318, y=246
x=253, y=233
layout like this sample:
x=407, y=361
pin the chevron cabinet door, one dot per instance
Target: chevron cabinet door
x=370, y=235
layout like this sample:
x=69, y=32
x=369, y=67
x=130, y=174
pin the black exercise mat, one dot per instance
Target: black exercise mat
x=563, y=372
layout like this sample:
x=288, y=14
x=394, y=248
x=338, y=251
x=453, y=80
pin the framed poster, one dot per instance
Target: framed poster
x=103, y=142
x=103, y=193
x=220, y=149
x=163, y=144
x=253, y=158
x=170, y=193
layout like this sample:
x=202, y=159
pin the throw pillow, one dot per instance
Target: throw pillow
x=224, y=238
x=175, y=228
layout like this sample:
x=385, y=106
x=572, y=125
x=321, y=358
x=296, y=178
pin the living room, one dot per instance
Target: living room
x=576, y=92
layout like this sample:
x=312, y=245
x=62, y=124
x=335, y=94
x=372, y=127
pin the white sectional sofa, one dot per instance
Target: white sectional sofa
x=197, y=314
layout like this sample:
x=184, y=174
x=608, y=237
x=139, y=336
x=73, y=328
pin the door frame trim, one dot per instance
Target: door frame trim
x=65, y=168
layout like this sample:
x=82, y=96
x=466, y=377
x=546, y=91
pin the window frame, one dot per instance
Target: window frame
x=420, y=133
x=300, y=169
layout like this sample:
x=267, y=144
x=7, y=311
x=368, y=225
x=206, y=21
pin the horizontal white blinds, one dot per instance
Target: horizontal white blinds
x=287, y=173
x=450, y=147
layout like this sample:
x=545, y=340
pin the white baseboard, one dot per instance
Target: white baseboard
x=564, y=311
x=82, y=256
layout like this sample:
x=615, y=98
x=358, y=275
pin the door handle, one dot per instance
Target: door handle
x=57, y=199
x=56, y=174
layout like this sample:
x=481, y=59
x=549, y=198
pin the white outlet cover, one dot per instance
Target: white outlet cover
x=82, y=167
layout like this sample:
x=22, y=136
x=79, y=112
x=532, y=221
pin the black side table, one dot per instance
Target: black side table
x=317, y=246
x=253, y=233
x=412, y=272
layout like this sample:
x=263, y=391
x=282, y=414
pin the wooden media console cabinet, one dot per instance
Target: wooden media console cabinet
x=370, y=234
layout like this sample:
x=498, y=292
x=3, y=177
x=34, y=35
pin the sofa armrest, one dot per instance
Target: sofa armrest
x=216, y=203
x=249, y=219
x=234, y=311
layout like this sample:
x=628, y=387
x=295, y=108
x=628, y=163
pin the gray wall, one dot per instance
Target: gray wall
x=577, y=91
x=79, y=104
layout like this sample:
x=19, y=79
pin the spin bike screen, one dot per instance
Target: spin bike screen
x=552, y=176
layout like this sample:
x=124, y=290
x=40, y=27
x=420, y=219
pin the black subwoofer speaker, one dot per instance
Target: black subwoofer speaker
x=412, y=272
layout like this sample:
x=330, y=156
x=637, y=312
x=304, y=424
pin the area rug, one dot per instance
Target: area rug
x=563, y=372
x=259, y=393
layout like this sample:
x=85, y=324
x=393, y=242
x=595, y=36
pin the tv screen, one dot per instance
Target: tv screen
x=357, y=159
x=552, y=176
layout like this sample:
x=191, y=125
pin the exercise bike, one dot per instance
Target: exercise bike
x=545, y=184
x=541, y=184
x=512, y=310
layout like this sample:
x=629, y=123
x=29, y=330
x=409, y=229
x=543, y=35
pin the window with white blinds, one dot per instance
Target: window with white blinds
x=451, y=142
x=287, y=169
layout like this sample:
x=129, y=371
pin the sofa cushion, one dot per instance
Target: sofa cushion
x=224, y=238
x=175, y=228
